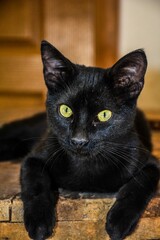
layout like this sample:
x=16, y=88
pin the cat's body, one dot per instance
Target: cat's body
x=20, y=136
x=93, y=142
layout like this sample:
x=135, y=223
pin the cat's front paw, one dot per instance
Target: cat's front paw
x=39, y=222
x=39, y=232
x=121, y=220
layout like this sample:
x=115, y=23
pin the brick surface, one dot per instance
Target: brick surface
x=148, y=229
x=5, y=210
x=82, y=218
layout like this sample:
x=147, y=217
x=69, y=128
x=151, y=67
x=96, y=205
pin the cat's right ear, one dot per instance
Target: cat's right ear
x=56, y=68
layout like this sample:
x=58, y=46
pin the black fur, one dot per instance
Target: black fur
x=112, y=156
x=18, y=138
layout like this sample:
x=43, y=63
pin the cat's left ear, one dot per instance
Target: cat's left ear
x=127, y=75
x=57, y=69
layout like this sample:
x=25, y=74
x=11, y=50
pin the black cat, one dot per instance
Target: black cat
x=96, y=140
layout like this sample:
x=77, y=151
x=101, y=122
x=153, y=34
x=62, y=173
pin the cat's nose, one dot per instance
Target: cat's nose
x=79, y=142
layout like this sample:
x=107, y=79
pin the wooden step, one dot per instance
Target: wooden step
x=80, y=216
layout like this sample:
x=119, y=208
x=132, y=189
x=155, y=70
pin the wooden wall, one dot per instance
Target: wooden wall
x=85, y=31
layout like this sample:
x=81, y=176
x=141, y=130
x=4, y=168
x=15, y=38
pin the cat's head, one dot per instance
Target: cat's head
x=88, y=106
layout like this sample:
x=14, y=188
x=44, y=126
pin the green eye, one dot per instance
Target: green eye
x=65, y=111
x=104, y=115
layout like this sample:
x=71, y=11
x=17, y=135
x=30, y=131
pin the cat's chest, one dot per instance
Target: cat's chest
x=83, y=175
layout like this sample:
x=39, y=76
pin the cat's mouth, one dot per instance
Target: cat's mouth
x=79, y=151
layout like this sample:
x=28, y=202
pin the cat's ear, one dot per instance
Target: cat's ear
x=127, y=75
x=56, y=68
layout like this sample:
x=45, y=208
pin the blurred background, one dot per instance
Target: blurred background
x=90, y=32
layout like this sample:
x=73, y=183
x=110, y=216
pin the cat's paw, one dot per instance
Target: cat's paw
x=39, y=232
x=39, y=222
x=121, y=220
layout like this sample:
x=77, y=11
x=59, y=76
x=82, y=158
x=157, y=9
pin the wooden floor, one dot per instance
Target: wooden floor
x=82, y=218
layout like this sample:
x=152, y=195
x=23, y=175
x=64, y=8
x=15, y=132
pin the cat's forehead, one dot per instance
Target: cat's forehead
x=90, y=76
x=88, y=82
x=89, y=87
